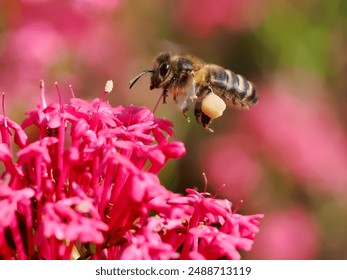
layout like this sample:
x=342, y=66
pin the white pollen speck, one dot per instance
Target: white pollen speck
x=109, y=86
x=83, y=207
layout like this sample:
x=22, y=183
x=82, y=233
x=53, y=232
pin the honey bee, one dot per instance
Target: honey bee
x=207, y=86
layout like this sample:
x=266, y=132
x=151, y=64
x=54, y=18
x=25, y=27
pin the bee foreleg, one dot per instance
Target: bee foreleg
x=165, y=95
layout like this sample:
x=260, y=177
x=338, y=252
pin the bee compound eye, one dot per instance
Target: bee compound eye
x=164, y=69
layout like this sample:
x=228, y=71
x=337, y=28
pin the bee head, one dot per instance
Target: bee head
x=162, y=70
x=161, y=73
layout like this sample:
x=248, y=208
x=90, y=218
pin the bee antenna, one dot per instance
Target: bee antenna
x=134, y=80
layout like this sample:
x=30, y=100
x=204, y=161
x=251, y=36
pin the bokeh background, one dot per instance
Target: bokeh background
x=286, y=157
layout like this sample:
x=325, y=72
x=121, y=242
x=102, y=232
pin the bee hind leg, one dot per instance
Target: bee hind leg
x=201, y=117
x=201, y=92
x=206, y=121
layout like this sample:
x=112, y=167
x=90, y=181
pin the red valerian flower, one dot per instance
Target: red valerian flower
x=213, y=230
x=87, y=188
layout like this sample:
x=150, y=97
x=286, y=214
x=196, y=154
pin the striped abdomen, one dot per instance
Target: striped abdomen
x=234, y=89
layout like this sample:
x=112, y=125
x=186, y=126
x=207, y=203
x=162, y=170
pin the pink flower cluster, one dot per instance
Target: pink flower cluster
x=87, y=188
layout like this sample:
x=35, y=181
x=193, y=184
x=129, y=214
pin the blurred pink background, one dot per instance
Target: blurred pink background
x=286, y=157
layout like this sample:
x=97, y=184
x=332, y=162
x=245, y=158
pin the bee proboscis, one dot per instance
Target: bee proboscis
x=190, y=77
